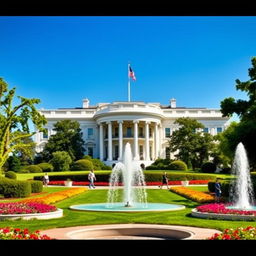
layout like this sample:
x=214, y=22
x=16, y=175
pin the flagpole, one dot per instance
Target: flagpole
x=129, y=83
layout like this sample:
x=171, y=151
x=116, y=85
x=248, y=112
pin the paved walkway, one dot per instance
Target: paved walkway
x=98, y=231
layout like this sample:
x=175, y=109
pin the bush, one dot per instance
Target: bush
x=87, y=157
x=46, y=167
x=14, y=188
x=36, y=186
x=208, y=167
x=82, y=164
x=177, y=165
x=60, y=161
x=226, y=170
x=13, y=163
x=33, y=168
x=97, y=164
x=11, y=175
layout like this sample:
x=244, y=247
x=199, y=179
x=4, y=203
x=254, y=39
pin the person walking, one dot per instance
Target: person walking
x=217, y=190
x=91, y=178
x=164, y=180
x=46, y=179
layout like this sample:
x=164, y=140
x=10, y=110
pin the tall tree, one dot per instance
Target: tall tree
x=190, y=144
x=68, y=137
x=245, y=131
x=14, y=126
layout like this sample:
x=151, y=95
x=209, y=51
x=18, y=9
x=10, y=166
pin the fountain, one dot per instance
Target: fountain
x=241, y=192
x=134, y=190
x=241, y=206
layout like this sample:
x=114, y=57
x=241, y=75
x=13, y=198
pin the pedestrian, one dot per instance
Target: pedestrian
x=91, y=178
x=217, y=190
x=164, y=180
x=46, y=179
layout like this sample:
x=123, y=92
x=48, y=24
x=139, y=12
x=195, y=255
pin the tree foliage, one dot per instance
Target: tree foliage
x=245, y=131
x=189, y=143
x=14, y=121
x=68, y=137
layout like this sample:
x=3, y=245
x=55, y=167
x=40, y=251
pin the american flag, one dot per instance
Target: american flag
x=132, y=74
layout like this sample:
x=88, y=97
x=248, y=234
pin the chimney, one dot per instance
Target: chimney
x=173, y=103
x=86, y=103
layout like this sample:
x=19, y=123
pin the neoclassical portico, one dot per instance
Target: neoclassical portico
x=143, y=135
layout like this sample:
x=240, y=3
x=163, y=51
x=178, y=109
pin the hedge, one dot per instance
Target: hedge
x=149, y=176
x=82, y=164
x=14, y=188
x=178, y=165
x=11, y=175
x=46, y=167
x=36, y=186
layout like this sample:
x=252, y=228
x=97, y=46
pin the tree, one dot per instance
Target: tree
x=245, y=131
x=14, y=121
x=61, y=161
x=189, y=143
x=68, y=138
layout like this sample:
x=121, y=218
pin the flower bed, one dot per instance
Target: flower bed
x=152, y=183
x=221, y=209
x=9, y=233
x=56, y=196
x=194, y=195
x=248, y=233
x=25, y=208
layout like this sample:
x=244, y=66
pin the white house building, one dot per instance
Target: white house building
x=107, y=127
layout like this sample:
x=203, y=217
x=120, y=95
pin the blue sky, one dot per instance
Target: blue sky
x=62, y=60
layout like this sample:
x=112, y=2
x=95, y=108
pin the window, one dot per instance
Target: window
x=129, y=132
x=141, y=132
x=116, y=132
x=219, y=129
x=150, y=132
x=167, y=132
x=206, y=130
x=45, y=134
x=116, y=152
x=90, y=151
x=90, y=132
x=141, y=153
x=167, y=153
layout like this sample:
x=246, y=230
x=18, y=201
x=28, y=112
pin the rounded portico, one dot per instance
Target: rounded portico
x=134, y=122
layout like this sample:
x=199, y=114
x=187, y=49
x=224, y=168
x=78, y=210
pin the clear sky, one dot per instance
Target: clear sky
x=62, y=60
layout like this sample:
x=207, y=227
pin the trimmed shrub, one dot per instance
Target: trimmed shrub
x=208, y=167
x=87, y=157
x=36, y=186
x=82, y=164
x=33, y=168
x=106, y=167
x=177, y=165
x=11, y=175
x=152, y=167
x=14, y=188
x=60, y=161
x=46, y=167
x=97, y=164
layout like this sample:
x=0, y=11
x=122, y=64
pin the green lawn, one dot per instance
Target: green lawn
x=75, y=218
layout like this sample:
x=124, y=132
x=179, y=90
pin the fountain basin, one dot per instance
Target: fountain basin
x=219, y=216
x=120, y=207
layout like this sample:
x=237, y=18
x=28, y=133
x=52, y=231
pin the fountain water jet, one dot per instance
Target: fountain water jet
x=241, y=192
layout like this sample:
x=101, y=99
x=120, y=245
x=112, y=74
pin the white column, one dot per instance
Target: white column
x=147, y=140
x=101, y=142
x=136, y=141
x=110, y=157
x=156, y=141
x=120, y=133
x=160, y=130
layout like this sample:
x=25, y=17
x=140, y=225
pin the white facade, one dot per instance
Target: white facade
x=146, y=126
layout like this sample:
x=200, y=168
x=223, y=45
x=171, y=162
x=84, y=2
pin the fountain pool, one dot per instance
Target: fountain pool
x=134, y=190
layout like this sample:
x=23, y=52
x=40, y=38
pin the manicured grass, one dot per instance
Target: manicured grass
x=76, y=218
